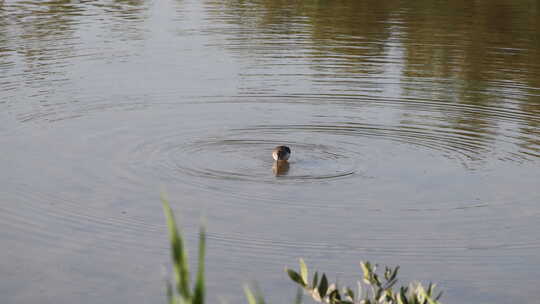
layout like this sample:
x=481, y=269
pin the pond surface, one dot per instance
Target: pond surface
x=414, y=125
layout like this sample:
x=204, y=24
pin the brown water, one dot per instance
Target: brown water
x=414, y=125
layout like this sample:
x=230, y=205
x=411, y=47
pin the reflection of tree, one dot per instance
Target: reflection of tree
x=43, y=39
x=40, y=32
x=475, y=63
x=462, y=40
x=356, y=31
x=530, y=126
x=130, y=9
x=125, y=17
x=479, y=47
x=342, y=30
x=4, y=49
x=44, y=31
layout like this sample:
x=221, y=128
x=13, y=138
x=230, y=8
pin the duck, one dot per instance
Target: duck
x=281, y=153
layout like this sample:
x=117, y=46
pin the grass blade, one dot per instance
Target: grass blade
x=198, y=294
x=258, y=295
x=178, y=251
x=249, y=295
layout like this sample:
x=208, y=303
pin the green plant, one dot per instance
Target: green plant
x=379, y=290
x=181, y=293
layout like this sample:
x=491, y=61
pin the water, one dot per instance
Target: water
x=415, y=130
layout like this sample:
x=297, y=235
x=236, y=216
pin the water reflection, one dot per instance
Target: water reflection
x=126, y=18
x=453, y=66
x=484, y=58
x=39, y=33
x=43, y=44
x=280, y=167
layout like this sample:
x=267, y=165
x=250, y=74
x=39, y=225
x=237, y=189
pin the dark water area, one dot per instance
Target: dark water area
x=414, y=126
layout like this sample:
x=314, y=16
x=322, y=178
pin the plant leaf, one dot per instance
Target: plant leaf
x=258, y=295
x=295, y=277
x=350, y=293
x=198, y=293
x=249, y=295
x=323, y=287
x=334, y=296
x=394, y=274
x=315, y=280
x=178, y=251
x=304, y=272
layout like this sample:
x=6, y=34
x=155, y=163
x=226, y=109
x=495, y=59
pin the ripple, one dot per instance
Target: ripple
x=463, y=146
x=248, y=159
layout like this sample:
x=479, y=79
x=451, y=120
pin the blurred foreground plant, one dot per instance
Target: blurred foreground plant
x=373, y=290
x=181, y=292
x=378, y=290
